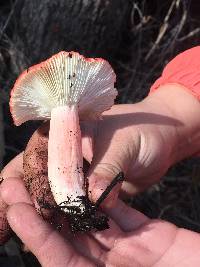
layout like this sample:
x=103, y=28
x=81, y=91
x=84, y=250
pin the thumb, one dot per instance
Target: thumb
x=105, y=166
x=99, y=181
x=109, y=151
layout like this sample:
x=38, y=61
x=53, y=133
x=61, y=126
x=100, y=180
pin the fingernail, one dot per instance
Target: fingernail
x=12, y=190
x=98, y=187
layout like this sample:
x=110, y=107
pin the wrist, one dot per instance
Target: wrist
x=180, y=128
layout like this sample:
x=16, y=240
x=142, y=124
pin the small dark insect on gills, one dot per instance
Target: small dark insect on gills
x=118, y=179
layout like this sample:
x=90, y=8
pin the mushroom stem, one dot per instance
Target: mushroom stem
x=65, y=161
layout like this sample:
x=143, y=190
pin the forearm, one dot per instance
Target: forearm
x=182, y=132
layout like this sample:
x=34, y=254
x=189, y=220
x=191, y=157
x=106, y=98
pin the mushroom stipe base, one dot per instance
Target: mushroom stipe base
x=89, y=218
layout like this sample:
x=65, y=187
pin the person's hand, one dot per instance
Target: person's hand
x=132, y=239
x=129, y=139
x=142, y=140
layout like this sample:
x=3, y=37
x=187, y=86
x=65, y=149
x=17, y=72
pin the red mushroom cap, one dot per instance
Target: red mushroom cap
x=66, y=78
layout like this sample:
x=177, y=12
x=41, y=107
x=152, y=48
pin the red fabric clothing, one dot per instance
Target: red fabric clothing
x=184, y=69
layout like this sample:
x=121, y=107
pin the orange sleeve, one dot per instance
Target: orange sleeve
x=184, y=69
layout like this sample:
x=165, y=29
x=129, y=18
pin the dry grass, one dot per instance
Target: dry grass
x=156, y=31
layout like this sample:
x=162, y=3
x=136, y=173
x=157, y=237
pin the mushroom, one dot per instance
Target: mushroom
x=64, y=89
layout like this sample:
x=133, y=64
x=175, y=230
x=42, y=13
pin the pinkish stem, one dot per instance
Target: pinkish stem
x=65, y=161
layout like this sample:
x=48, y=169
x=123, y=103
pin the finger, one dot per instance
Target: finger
x=87, y=246
x=5, y=230
x=126, y=217
x=14, y=168
x=108, y=237
x=87, y=131
x=47, y=245
x=83, y=243
x=128, y=189
x=95, y=245
x=12, y=191
x=111, y=156
x=98, y=183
